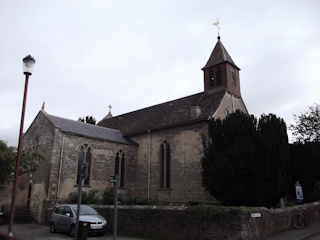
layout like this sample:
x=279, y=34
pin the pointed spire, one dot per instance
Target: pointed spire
x=219, y=55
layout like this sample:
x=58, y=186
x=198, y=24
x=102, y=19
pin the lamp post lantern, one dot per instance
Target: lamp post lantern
x=28, y=64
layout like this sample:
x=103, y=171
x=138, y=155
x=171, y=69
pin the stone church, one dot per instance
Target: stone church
x=156, y=151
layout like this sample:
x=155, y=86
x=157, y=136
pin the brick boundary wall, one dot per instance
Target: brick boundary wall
x=202, y=222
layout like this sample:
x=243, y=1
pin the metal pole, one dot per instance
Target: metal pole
x=16, y=172
x=79, y=202
x=115, y=209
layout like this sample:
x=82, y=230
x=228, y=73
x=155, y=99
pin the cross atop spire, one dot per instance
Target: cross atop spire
x=217, y=25
x=109, y=115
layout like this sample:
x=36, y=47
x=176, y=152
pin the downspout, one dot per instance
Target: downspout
x=233, y=108
x=60, y=167
x=184, y=167
x=149, y=165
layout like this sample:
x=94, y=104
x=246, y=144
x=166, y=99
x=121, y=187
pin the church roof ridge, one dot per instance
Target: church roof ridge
x=168, y=114
x=89, y=130
x=219, y=55
x=155, y=105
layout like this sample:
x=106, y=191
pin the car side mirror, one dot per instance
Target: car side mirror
x=68, y=214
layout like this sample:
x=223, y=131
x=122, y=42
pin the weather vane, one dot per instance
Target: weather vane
x=217, y=25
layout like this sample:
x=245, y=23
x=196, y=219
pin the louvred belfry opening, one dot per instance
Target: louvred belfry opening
x=221, y=71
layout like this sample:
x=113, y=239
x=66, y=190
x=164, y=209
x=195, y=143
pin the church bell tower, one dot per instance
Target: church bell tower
x=221, y=72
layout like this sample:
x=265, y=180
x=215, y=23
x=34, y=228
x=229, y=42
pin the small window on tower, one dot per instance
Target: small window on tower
x=219, y=76
x=211, y=78
x=233, y=73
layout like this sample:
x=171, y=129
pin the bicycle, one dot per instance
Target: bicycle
x=301, y=219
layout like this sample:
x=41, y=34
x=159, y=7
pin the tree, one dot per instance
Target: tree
x=276, y=148
x=305, y=168
x=89, y=119
x=245, y=161
x=7, y=162
x=29, y=161
x=307, y=125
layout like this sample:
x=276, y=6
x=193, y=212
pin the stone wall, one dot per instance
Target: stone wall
x=202, y=222
x=102, y=165
x=185, y=165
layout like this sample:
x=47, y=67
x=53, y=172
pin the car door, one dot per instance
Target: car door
x=56, y=217
x=66, y=218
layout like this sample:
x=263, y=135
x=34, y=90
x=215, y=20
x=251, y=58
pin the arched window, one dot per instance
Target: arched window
x=36, y=144
x=84, y=157
x=120, y=167
x=165, y=165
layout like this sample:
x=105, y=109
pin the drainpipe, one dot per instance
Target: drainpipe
x=60, y=167
x=233, y=109
x=149, y=165
x=184, y=167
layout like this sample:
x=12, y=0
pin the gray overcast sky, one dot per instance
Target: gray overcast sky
x=137, y=53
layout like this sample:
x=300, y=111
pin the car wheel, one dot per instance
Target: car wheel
x=72, y=230
x=52, y=228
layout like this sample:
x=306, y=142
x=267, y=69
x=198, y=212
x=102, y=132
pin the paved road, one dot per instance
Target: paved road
x=36, y=232
x=307, y=233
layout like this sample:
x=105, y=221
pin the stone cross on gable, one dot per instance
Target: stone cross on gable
x=110, y=107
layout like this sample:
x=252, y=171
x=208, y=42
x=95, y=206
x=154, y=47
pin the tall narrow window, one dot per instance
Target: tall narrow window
x=219, y=76
x=120, y=167
x=36, y=144
x=211, y=78
x=84, y=157
x=233, y=74
x=165, y=165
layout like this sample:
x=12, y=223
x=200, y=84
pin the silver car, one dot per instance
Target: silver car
x=64, y=219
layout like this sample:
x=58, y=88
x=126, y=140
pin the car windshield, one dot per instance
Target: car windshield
x=85, y=210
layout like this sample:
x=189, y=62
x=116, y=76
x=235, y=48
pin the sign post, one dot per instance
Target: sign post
x=299, y=193
x=114, y=179
x=83, y=175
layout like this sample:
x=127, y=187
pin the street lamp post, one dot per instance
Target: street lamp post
x=28, y=64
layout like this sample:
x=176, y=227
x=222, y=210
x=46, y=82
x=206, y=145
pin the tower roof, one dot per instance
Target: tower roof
x=219, y=55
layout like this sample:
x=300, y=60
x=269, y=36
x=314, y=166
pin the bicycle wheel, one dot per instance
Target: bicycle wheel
x=306, y=220
x=297, y=221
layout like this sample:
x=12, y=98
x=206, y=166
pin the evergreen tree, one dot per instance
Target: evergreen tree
x=305, y=168
x=239, y=160
x=89, y=119
x=276, y=150
x=305, y=153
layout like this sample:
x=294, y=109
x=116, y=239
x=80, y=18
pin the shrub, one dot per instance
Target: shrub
x=91, y=197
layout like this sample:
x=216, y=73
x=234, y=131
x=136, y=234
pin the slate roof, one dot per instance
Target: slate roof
x=89, y=130
x=168, y=114
x=219, y=55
